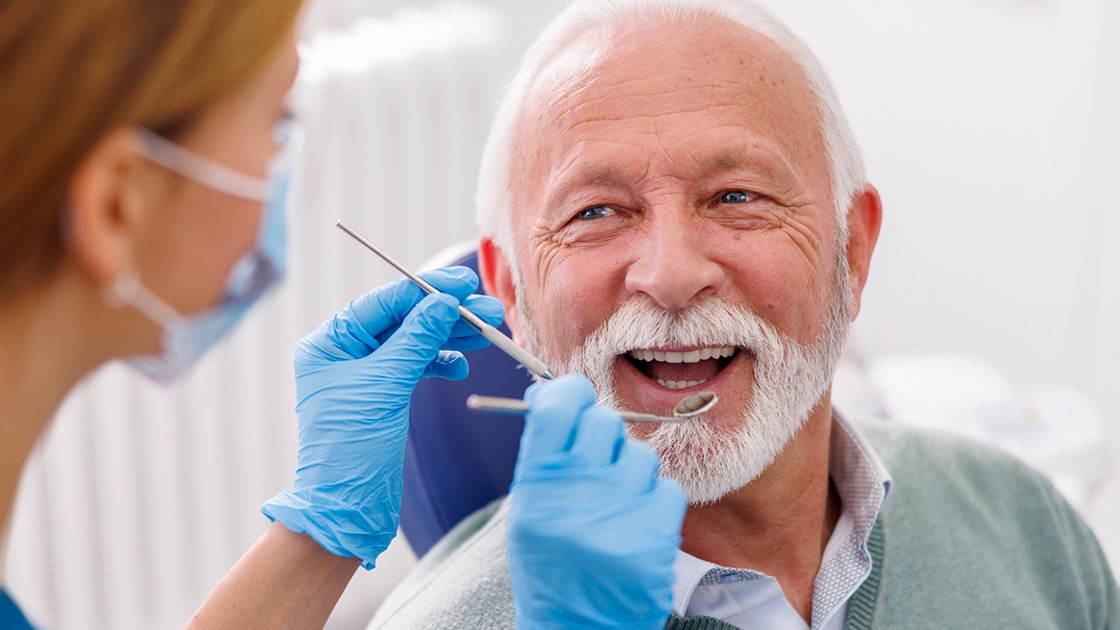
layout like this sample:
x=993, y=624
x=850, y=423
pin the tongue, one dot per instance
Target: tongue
x=702, y=371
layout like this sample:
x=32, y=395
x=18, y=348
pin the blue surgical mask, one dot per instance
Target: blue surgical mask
x=187, y=338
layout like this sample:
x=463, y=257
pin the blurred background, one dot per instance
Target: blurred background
x=991, y=128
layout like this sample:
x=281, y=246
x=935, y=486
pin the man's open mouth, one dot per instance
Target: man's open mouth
x=683, y=369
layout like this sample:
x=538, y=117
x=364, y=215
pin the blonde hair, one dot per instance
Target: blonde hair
x=496, y=176
x=72, y=71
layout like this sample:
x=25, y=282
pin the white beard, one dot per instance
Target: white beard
x=789, y=382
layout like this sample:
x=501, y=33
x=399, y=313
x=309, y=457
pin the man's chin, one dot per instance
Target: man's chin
x=708, y=463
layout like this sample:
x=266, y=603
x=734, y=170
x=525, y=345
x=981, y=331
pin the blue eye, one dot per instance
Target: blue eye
x=595, y=212
x=735, y=196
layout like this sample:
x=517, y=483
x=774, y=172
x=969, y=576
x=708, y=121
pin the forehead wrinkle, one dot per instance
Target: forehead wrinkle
x=585, y=104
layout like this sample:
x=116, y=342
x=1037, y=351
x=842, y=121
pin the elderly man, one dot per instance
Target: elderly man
x=672, y=202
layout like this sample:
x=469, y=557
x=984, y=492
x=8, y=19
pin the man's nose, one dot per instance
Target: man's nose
x=673, y=267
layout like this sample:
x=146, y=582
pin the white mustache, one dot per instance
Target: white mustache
x=638, y=325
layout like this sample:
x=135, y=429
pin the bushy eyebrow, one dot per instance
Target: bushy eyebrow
x=585, y=176
x=721, y=163
x=771, y=170
x=773, y=166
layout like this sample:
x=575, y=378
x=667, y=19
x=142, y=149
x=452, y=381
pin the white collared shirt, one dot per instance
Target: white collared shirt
x=750, y=599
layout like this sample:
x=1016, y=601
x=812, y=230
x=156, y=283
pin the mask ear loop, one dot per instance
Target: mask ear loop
x=200, y=169
x=122, y=291
x=126, y=290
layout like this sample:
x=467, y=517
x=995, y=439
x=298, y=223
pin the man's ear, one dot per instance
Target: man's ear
x=864, y=219
x=497, y=280
x=104, y=207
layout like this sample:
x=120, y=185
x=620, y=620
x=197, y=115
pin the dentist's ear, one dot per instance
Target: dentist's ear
x=104, y=213
x=864, y=220
x=497, y=280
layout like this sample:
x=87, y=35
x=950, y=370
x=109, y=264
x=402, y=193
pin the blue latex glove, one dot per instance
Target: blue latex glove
x=354, y=379
x=593, y=532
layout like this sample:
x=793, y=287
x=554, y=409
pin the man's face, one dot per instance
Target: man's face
x=669, y=169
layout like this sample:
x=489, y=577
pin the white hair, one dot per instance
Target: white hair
x=495, y=180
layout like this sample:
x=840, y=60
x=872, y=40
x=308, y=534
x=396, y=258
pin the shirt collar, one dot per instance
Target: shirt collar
x=861, y=479
x=863, y=483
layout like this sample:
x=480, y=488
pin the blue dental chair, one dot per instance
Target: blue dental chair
x=457, y=460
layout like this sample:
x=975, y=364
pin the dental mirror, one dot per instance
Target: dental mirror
x=696, y=404
x=688, y=408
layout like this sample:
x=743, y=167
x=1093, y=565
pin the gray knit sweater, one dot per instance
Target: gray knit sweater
x=970, y=538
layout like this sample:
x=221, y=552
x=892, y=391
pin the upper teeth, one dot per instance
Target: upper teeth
x=691, y=356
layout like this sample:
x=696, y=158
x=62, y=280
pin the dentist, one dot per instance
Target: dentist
x=144, y=159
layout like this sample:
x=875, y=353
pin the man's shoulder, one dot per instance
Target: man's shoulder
x=462, y=582
x=937, y=457
x=962, y=518
x=940, y=473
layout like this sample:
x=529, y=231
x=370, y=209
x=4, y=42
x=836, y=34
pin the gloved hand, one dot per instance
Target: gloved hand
x=593, y=532
x=354, y=379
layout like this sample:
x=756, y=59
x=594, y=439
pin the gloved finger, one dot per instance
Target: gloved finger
x=635, y=468
x=448, y=365
x=554, y=411
x=598, y=438
x=464, y=337
x=530, y=394
x=490, y=309
x=406, y=354
x=457, y=281
x=658, y=512
x=354, y=331
x=401, y=296
x=661, y=512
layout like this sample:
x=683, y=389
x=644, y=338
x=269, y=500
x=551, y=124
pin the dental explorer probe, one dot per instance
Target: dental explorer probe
x=689, y=407
x=504, y=343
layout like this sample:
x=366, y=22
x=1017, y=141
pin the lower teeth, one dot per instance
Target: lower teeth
x=678, y=384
